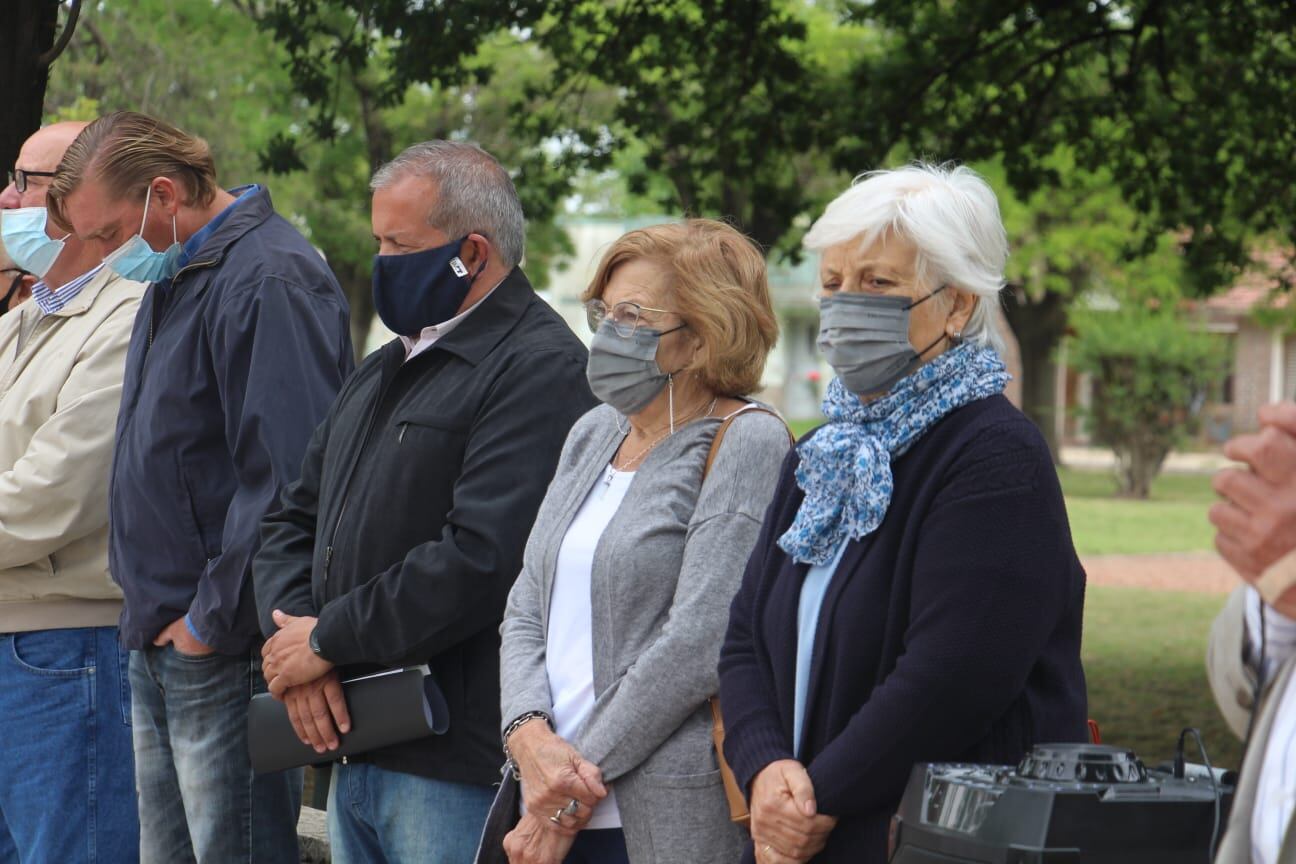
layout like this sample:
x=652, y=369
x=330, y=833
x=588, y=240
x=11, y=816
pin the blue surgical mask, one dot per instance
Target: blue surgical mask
x=23, y=231
x=135, y=259
x=421, y=289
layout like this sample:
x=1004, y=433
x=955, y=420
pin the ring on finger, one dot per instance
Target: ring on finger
x=571, y=809
x=556, y=818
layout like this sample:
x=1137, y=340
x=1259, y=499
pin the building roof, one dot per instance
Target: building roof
x=1258, y=285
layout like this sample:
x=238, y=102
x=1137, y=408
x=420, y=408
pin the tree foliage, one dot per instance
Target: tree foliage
x=234, y=87
x=1187, y=105
x=1151, y=370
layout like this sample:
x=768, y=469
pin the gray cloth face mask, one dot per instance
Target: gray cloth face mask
x=865, y=338
x=623, y=372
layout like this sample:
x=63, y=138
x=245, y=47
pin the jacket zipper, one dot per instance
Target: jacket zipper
x=346, y=496
x=174, y=279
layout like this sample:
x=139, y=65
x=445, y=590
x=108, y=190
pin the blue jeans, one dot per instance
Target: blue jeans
x=377, y=816
x=67, y=777
x=600, y=846
x=199, y=799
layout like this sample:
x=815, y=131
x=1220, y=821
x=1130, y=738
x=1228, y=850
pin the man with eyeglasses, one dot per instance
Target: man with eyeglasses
x=69, y=788
x=400, y=542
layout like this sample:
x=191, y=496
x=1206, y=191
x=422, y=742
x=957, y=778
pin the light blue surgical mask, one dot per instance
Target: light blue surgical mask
x=135, y=259
x=23, y=232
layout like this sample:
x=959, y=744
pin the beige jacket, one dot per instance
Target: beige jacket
x=60, y=386
x=1233, y=683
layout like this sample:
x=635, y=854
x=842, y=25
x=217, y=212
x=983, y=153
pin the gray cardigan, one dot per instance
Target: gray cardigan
x=664, y=574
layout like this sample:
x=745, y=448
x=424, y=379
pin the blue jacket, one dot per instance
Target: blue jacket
x=232, y=364
x=949, y=634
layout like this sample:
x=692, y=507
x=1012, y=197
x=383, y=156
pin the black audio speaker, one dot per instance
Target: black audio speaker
x=1064, y=804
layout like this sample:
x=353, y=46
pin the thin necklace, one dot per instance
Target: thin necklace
x=627, y=464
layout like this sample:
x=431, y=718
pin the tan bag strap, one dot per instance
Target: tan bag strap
x=751, y=408
x=734, y=794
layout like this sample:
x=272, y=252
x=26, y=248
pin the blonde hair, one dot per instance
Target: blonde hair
x=126, y=150
x=718, y=285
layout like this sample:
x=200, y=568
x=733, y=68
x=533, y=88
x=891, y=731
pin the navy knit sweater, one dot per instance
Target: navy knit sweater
x=950, y=634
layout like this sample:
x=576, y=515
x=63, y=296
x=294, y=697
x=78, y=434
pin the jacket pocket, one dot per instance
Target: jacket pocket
x=704, y=780
x=205, y=507
x=688, y=819
x=415, y=428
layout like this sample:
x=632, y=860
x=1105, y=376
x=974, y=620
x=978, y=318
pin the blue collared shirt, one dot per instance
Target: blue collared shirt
x=51, y=301
x=194, y=243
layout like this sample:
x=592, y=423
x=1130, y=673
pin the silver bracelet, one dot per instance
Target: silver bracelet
x=518, y=723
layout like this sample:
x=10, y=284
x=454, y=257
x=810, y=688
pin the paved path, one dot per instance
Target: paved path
x=1201, y=572
x=1098, y=459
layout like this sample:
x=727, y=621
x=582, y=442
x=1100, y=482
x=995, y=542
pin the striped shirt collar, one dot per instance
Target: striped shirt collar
x=51, y=301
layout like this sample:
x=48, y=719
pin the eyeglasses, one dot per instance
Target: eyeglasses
x=18, y=177
x=625, y=317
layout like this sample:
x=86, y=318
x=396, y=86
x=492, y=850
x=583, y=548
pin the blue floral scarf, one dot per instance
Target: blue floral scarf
x=845, y=468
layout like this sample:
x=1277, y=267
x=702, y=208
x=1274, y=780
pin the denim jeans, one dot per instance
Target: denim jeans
x=67, y=776
x=199, y=799
x=377, y=816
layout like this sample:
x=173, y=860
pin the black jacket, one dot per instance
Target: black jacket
x=231, y=365
x=406, y=529
x=949, y=634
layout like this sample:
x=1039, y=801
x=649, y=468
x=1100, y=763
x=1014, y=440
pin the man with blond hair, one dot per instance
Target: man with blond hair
x=69, y=785
x=240, y=345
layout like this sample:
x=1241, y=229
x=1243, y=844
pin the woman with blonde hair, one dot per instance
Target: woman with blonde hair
x=613, y=629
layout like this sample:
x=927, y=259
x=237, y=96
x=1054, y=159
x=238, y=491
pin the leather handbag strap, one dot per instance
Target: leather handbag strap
x=751, y=408
x=738, y=811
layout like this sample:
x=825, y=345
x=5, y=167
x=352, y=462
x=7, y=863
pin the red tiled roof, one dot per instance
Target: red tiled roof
x=1256, y=285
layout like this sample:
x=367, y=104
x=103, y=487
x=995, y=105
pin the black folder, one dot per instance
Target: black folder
x=386, y=708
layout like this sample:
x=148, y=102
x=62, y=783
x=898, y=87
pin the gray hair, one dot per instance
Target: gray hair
x=949, y=212
x=475, y=195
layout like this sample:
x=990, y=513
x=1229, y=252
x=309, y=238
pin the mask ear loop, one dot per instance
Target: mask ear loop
x=925, y=299
x=148, y=194
x=670, y=399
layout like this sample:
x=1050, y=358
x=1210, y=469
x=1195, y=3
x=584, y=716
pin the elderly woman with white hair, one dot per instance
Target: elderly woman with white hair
x=914, y=595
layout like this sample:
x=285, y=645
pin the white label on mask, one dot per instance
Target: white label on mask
x=458, y=267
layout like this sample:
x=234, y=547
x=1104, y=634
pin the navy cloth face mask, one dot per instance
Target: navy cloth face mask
x=421, y=289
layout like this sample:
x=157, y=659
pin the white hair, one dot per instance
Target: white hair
x=474, y=193
x=948, y=212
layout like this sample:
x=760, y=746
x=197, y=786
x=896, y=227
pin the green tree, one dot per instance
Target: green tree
x=1188, y=106
x=233, y=86
x=1151, y=370
x=1069, y=240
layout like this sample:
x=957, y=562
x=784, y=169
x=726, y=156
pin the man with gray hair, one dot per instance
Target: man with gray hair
x=400, y=542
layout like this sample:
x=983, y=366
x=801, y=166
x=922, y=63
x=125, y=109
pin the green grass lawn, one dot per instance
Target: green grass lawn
x=1173, y=519
x=1144, y=656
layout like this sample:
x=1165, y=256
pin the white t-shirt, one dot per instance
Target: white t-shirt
x=569, y=644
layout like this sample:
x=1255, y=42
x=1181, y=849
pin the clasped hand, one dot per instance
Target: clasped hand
x=306, y=683
x=785, y=823
x=554, y=775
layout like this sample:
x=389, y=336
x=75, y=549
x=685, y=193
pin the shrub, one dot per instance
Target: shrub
x=1151, y=371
